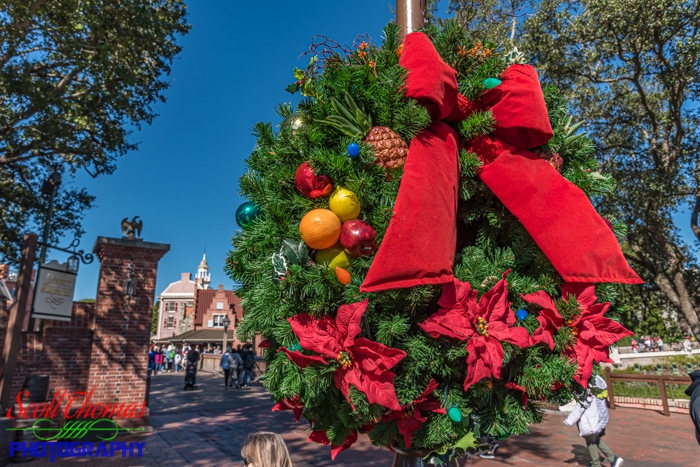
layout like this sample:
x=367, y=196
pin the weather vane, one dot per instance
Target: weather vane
x=133, y=228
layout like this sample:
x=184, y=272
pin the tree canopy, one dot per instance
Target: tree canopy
x=75, y=76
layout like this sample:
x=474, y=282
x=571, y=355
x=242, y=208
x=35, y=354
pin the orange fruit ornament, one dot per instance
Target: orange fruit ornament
x=320, y=228
x=342, y=275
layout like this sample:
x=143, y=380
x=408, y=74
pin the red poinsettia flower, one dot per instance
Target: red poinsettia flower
x=363, y=363
x=486, y=324
x=321, y=437
x=549, y=318
x=409, y=417
x=521, y=389
x=290, y=404
x=595, y=332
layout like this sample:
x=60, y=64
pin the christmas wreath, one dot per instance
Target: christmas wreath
x=419, y=249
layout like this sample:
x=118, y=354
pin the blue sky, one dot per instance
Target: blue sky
x=183, y=180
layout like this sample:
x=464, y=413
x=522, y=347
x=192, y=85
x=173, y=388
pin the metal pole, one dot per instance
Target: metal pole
x=410, y=15
x=45, y=242
x=14, y=324
x=47, y=227
x=223, y=350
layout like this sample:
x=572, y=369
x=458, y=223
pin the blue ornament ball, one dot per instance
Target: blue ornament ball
x=246, y=213
x=353, y=149
x=522, y=314
x=454, y=414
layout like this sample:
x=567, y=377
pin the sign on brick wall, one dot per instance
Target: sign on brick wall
x=54, y=292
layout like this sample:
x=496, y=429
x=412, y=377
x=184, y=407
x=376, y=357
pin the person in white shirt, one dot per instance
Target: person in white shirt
x=591, y=416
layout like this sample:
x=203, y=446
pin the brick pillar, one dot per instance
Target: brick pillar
x=122, y=327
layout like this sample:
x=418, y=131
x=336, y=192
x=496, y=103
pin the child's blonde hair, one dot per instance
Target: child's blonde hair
x=266, y=449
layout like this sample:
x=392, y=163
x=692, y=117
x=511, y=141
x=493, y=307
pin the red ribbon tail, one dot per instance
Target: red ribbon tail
x=555, y=212
x=419, y=245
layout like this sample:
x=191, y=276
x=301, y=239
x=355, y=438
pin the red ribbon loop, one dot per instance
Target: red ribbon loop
x=419, y=245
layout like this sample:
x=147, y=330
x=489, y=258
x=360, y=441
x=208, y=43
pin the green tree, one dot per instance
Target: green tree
x=74, y=76
x=495, y=20
x=154, y=318
x=630, y=69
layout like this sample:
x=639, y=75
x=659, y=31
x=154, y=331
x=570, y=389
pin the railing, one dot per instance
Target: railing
x=661, y=380
x=671, y=347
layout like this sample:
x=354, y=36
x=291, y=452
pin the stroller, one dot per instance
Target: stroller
x=191, y=376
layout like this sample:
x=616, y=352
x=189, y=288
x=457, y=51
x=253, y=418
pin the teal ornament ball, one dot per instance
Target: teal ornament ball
x=454, y=414
x=491, y=83
x=296, y=347
x=246, y=213
x=522, y=314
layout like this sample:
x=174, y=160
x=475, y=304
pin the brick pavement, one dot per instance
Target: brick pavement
x=192, y=431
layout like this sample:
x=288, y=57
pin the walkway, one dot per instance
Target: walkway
x=207, y=427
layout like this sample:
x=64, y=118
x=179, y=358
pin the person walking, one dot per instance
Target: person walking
x=152, y=360
x=234, y=363
x=224, y=364
x=248, y=358
x=265, y=449
x=169, y=358
x=591, y=415
x=687, y=346
x=693, y=392
x=660, y=344
x=159, y=360
x=177, y=359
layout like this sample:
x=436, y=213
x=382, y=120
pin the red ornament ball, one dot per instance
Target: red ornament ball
x=311, y=185
x=358, y=238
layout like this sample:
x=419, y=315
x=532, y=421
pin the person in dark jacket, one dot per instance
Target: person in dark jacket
x=694, y=392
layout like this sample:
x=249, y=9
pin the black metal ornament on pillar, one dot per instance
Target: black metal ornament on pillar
x=129, y=287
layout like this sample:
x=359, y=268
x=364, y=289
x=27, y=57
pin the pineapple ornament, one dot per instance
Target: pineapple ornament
x=391, y=149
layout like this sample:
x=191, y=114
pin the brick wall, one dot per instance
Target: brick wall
x=60, y=350
x=118, y=367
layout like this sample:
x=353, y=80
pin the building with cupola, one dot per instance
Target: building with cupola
x=191, y=311
x=177, y=302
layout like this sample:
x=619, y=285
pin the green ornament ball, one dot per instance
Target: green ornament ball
x=296, y=347
x=247, y=213
x=454, y=414
x=491, y=83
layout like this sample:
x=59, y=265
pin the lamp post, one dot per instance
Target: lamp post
x=410, y=15
x=49, y=188
x=226, y=323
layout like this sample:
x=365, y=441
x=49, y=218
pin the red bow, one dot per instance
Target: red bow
x=419, y=245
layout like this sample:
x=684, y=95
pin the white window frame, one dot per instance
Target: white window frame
x=219, y=305
x=171, y=307
x=220, y=319
x=170, y=323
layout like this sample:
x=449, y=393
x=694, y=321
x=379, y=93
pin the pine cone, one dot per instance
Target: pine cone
x=553, y=159
x=391, y=149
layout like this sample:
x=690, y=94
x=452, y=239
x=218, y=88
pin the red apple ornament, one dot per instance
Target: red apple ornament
x=358, y=238
x=311, y=185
